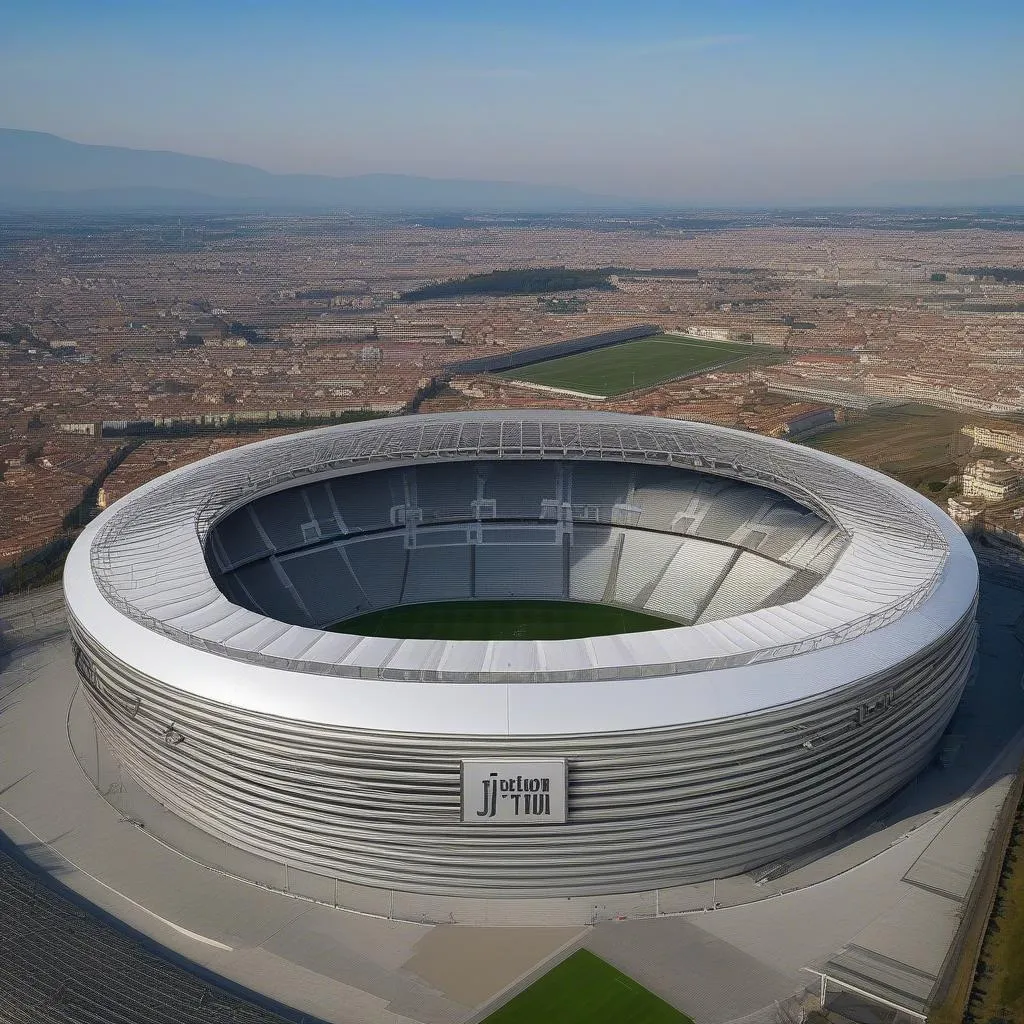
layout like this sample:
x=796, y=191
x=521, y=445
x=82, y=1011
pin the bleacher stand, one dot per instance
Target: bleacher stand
x=590, y=562
x=533, y=571
x=654, y=538
x=323, y=512
x=439, y=574
x=446, y=494
x=788, y=528
x=596, y=487
x=645, y=557
x=378, y=563
x=689, y=579
x=280, y=516
x=519, y=487
x=364, y=500
x=261, y=582
x=730, y=513
x=667, y=495
x=240, y=540
x=751, y=582
x=325, y=584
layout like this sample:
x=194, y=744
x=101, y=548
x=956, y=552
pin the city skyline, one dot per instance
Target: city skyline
x=670, y=102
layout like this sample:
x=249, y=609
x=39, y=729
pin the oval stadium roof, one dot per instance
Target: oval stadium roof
x=137, y=580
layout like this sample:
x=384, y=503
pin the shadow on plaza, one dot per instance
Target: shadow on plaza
x=989, y=716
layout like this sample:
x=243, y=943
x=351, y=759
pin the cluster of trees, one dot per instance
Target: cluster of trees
x=320, y=293
x=1004, y=275
x=434, y=387
x=87, y=508
x=516, y=282
x=569, y=305
x=247, y=331
x=535, y=280
x=144, y=429
x=19, y=332
x=45, y=565
x=683, y=272
x=236, y=329
x=991, y=307
x=38, y=568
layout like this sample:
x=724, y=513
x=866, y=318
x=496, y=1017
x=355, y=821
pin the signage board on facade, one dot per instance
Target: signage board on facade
x=514, y=792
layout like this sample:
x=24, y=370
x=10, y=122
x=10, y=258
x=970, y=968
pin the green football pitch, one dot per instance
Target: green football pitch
x=585, y=990
x=633, y=364
x=501, y=620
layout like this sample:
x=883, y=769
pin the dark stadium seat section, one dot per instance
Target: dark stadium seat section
x=685, y=545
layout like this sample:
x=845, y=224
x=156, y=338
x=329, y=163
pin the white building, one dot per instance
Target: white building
x=991, y=480
x=1003, y=440
x=710, y=333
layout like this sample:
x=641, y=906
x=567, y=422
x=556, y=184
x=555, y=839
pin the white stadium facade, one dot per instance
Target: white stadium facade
x=826, y=630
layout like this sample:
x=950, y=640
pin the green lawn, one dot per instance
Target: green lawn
x=585, y=990
x=501, y=620
x=632, y=364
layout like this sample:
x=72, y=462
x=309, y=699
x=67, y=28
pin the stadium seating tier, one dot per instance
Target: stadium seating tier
x=676, y=543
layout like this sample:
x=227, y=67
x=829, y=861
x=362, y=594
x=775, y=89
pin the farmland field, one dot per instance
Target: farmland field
x=634, y=364
x=919, y=445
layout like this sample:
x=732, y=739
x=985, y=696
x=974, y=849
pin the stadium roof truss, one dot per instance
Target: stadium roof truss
x=153, y=543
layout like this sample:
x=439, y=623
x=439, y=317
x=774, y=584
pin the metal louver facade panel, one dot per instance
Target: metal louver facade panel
x=691, y=753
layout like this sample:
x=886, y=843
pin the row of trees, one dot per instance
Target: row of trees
x=19, y=332
x=235, y=329
x=45, y=565
x=515, y=282
x=1004, y=275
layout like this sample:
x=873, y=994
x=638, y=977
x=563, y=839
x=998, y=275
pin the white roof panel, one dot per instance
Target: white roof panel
x=137, y=581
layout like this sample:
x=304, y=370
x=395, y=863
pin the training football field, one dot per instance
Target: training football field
x=585, y=990
x=501, y=620
x=633, y=364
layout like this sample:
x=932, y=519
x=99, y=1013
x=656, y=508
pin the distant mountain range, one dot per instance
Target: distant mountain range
x=970, y=192
x=42, y=171
x=38, y=170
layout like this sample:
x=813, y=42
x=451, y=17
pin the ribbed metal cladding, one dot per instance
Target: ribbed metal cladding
x=707, y=750
x=647, y=808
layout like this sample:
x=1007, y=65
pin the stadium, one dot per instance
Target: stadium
x=813, y=630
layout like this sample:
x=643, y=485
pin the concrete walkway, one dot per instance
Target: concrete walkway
x=894, y=891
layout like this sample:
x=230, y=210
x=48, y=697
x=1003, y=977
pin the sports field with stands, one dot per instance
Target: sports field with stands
x=585, y=990
x=632, y=364
x=501, y=620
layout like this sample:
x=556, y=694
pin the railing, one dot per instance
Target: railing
x=134, y=540
x=828, y=638
x=31, y=616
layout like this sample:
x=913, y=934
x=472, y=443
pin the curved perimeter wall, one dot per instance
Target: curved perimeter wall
x=677, y=771
x=645, y=809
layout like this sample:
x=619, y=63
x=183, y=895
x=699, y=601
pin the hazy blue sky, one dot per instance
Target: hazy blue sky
x=676, y=100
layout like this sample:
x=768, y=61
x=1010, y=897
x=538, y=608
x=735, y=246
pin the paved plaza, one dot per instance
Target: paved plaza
x=883, y=904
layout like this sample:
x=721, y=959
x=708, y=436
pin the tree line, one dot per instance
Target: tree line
x=515, y=282
x=1004, y=275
